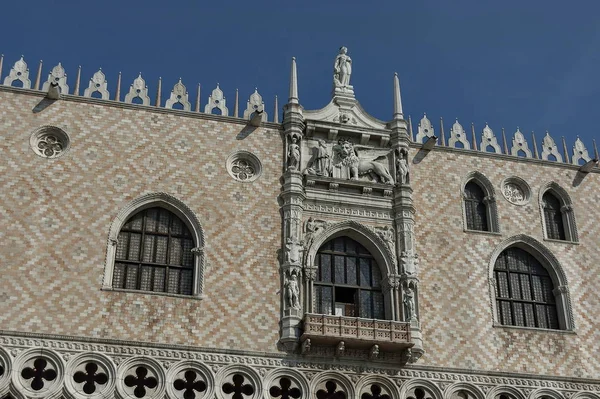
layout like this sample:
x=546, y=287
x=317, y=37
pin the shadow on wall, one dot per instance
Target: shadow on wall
x=245, y=132
x=42, y=105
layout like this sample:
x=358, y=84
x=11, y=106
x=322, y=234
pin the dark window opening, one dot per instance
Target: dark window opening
x=348, y=282
x=154, y=253
x=524, y=291
x=475, y=207
x=553, y=217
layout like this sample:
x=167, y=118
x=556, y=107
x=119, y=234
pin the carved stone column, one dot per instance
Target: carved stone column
x=404, y=218
x=292, y=199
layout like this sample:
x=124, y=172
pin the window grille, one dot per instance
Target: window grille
x=524, y=291
x=475, y=207
x=553, y=217
x=154, y=253
x=348, y=281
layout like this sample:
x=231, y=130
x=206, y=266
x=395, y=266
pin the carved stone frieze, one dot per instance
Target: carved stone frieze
x=168, y=364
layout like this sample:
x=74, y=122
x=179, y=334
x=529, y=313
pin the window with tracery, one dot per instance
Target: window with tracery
x=553, y=218
x=524, y=291
x=475, y=207
x=154, y=253
x=348, y=281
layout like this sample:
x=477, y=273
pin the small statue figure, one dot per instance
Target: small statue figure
x=293, y=249
x=402, y=176
x=292, y=292
x=320, y=165
x=322, y=160
x=293, y=153
x=342, y=69
x=409, y=305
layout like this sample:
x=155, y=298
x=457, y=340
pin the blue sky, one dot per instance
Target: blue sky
x=533, y=64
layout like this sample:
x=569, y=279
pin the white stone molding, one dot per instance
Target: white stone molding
x=179, y=95
x=7, y=371
x=511, y=392
x=49, y=142
x=275, y=365
x=21, y=388
x=225, y=376
x=549, y=147
x=297, y=379
x=551, y=264
x=546, y=393
x=153, y=369
x=98, y=84
x=490, y=200
x=453, y=391
x=138, y=89
x=566, y=209
x=359, y=232
x=172, y=204
x=387, y=387
x=243, y=166
x=489, y=139
x=19, y=72
x=178, y=371
x=424, y=130
x=516, y=190
x=519, y=143
x=57, y=76
x=216, y=100
x=77, y=364
x=580, y=152
x=342, y=383
x=255, y=104
x=584, y=395
x=407, y=390
x=458, y=135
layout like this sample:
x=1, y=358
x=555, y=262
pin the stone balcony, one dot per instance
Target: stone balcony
x=356, y=332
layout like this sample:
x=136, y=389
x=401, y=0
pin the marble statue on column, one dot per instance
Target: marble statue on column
x=342, y=69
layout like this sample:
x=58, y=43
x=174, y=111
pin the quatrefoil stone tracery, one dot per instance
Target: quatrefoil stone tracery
x=39, y=374
x=140, y=381
x=190, y=384
x=90, y=378
x=238, y=390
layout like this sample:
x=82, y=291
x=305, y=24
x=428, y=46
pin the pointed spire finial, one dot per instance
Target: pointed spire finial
x=566, y=152
x=504, y=141
x=293, y=99
x=536, y=154
x=276, y=111
x=38, y=78
x=1, y=62
x=235, y=106
x=118, y=93
x=158, y=92
x=77, y=81
x=595, y=149
x=442, y=135
x=410, y=129
x=198, y=99
x=474, y=136
x=398, y=114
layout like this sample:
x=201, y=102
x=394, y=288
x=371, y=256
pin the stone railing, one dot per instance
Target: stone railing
x=357, y=332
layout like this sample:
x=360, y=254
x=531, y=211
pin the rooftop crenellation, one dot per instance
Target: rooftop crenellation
x=482, y=139
x=137, y=93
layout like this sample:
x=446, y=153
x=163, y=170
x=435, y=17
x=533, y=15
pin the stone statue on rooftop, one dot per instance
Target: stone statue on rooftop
x=342, y=69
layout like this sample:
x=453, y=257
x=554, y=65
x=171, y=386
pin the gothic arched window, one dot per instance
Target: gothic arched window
x=348, y=281
x=553, y=218
x=154, y=253
x=475, y=207
x=525, y=293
